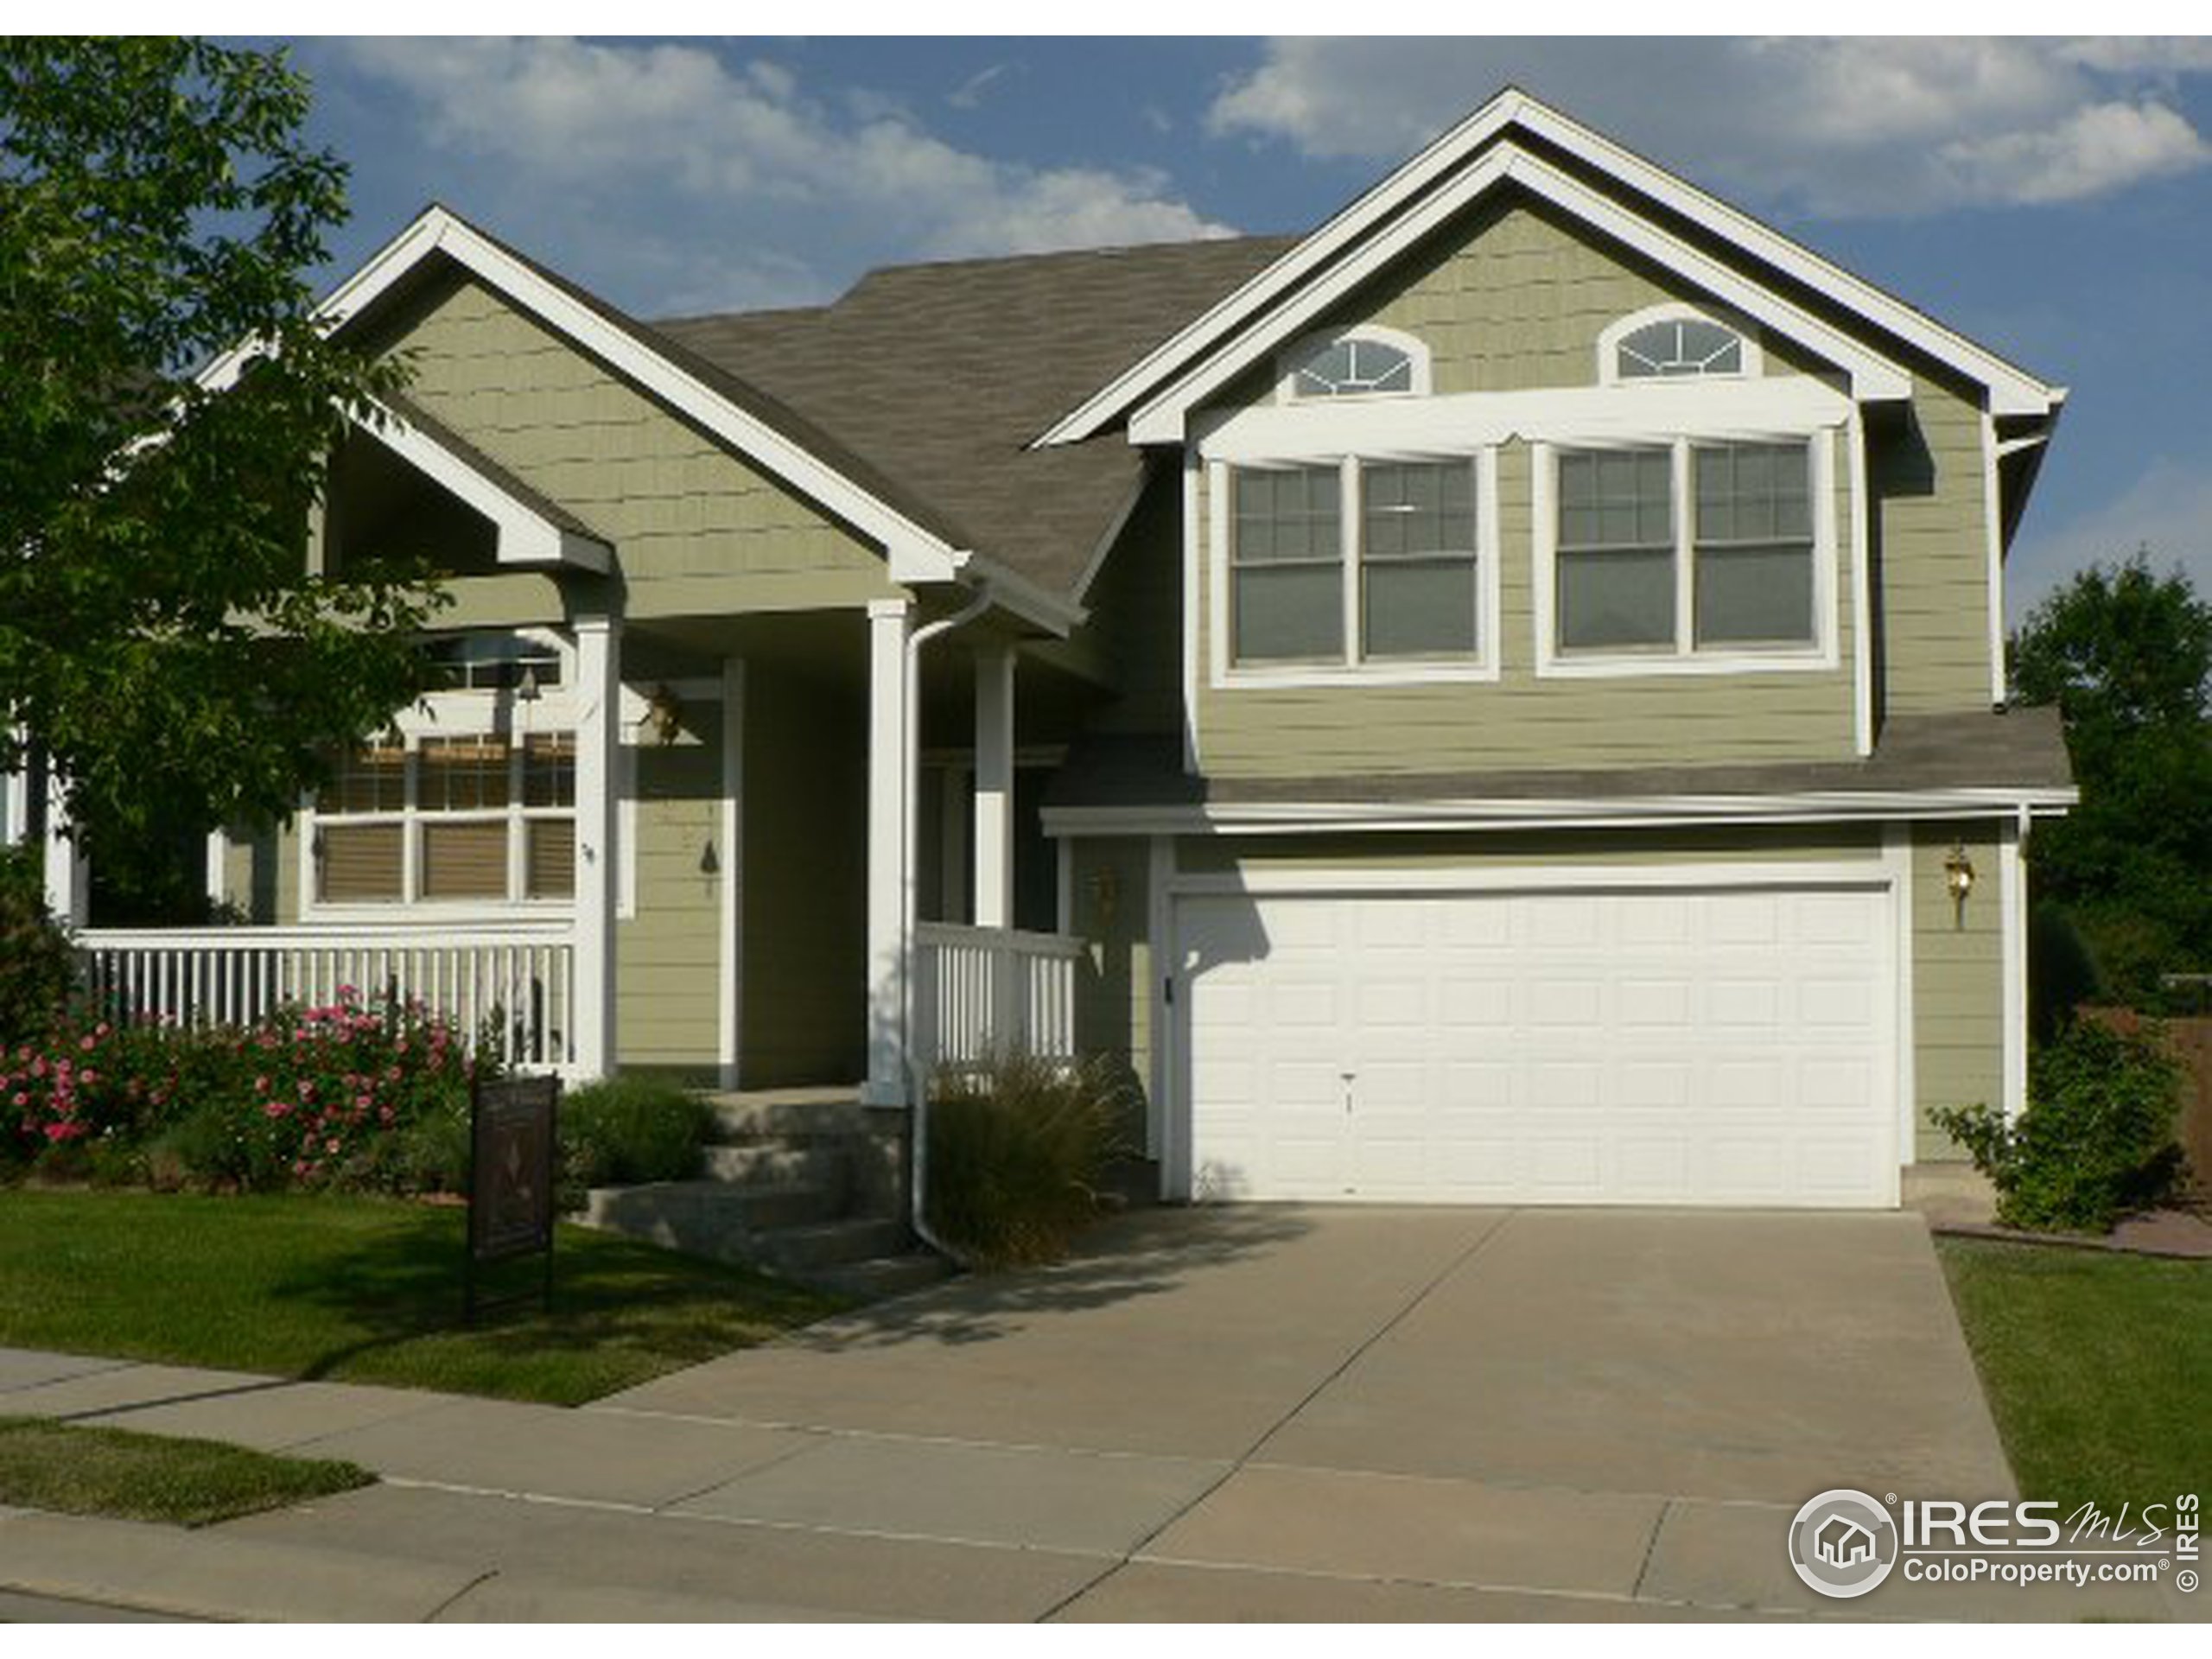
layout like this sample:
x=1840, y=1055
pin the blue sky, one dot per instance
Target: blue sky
x=2052, y=199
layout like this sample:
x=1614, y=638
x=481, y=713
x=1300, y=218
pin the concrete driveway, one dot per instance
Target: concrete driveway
x=1266, y=1412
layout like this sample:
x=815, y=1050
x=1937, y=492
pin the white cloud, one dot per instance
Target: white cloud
x=2167, y=511
x=651, y=144
x=1854, y=127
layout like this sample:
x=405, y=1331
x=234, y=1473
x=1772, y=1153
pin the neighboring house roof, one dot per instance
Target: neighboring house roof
x=942, y=373
x=1981, y=757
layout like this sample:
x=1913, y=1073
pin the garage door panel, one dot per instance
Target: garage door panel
x=1697, y=1046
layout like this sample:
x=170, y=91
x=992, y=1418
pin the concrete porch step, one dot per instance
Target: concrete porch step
x=805, y=1250
x=754, y=1113
x=777, y=1160
x=709, y=1218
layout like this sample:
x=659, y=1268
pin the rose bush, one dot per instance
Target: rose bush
x=349, y=1095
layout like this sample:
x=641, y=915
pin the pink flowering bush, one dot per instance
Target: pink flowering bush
x=351, y=1095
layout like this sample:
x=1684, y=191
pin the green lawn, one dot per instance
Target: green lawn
x=2096, y=1365
x=76, y=1470
x=361, y=1290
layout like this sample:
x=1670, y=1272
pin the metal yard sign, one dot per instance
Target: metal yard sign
x=512, y=1126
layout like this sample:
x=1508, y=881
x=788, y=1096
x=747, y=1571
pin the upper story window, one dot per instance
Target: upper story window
x=1362, y=362
x=494, y=662
x=1675, y=342
x=1688, y=549
x=1350, y=563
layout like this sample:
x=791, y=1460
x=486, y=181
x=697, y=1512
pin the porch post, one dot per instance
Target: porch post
x=68, y=874
x=599, y=737
x=888, y=736
x=994, y=837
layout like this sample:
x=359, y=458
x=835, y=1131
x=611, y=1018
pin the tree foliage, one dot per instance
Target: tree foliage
x=161, y=635
x=2127, y=656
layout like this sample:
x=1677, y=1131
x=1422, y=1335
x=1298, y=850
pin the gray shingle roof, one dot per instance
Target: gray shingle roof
x=2021, y=748
x=940, y=375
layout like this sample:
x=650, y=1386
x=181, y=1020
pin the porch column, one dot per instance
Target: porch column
x=888, y=737
x=68, y=874
x=599, y=737
x=994, y=837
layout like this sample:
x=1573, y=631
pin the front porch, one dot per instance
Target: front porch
x=769, y=878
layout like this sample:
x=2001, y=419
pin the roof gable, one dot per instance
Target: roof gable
x=1515, y=141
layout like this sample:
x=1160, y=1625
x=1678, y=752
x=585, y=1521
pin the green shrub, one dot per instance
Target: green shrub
x=2097, y=1141
x=1017, y=1152
x=629, y=1129
x=37, y=968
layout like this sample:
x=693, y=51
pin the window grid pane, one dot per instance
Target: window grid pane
x=549, y=769
x=1753, y=574
x=462, y=774
x=1286, y=563
x=371, y=779
x=1418, y=594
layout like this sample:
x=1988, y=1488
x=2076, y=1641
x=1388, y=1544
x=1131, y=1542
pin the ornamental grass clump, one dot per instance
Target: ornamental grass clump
x=1019, y=1150
x=345, y=1095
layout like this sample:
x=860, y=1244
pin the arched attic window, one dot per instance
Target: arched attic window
x=1675, y=343
x=1364, y=362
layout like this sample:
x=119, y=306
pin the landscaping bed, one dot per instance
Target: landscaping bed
x=361, y=1289
x=2095, y=1365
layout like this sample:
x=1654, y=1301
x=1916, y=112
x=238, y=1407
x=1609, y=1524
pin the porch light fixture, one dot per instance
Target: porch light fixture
x=526, y=691
x=664, y=714
x=1958, y=880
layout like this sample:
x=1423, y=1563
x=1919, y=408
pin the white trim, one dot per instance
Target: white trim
x=1854, y=437
x=730, y=1035
x=1685, y=658
x=523, y=536
x=1466, y=422
x=1160, y=945
x=1592, y=813
x=2013, y=390
x=1357, y=668
x=991, y=839
x=1597, y=875
x=1162, y=418
x=914, y=554
x=1287, y=365
x=1897, y=854
x=14, y=806
x=1754, y=353
x=1994, y=539
x=219, y=858
x=68, y=872
x=889, y=806
x=598, y=737
x=2012, y=927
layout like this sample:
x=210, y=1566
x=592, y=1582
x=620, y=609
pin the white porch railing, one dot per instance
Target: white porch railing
x=508, y=985
x=984, y=990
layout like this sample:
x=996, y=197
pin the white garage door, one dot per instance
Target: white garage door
x=1707, y=1045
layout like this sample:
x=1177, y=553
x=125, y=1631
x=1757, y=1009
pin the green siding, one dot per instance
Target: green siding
x=1514, y=294
x=1958, y=982
x=805, y=894
x=1113, y=1002
x=1928, y=518
x=1520, y=721
x=1137, y=640
x=681, y=510
x=668, y=959
x=261, y=876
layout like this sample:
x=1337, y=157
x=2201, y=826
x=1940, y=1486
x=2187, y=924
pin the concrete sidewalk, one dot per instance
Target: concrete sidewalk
x=1413, y=1414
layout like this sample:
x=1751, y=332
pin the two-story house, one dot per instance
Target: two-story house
x=1498, y=699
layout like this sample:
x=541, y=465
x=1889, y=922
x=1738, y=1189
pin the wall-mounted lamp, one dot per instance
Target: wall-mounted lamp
x=526, y=691
x=710, y=863
x=1958, y=881
x=664, y=714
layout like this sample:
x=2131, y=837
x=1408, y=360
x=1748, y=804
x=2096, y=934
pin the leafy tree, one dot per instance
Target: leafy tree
x=162, y=638
x=2127, y=656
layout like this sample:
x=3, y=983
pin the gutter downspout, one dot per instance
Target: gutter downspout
x=910, y=857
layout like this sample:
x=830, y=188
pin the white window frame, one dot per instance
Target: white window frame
x=1685, y=658
x=484, y=713
x=1609, y=357
x=1288, y=359
x=1355, y=668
